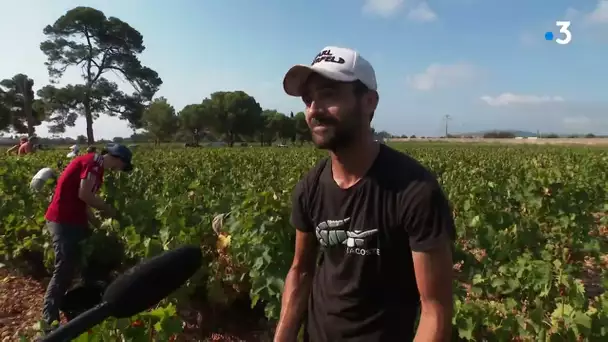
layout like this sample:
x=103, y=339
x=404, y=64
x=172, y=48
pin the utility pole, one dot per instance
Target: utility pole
x=446, y=118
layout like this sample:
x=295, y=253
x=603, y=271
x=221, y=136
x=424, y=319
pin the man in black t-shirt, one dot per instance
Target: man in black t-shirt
x=382, y=222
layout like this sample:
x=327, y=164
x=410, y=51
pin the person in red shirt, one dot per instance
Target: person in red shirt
x=27, y=147
x=69, y=214
x=15, y=148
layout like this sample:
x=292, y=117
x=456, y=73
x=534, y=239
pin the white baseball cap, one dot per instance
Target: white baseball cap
x=335, y=63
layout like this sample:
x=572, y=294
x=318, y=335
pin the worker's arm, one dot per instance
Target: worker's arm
x=297, y=288
x=433, y=270
x=12, y=149
x=431, y=232
x=87, y=193
x=298, y=282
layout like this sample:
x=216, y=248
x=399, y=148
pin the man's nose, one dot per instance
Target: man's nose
x=314, y=107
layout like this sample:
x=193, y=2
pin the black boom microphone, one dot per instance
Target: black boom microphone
x=138, y=289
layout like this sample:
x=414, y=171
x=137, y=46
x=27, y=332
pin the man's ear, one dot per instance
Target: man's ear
x=369, y=101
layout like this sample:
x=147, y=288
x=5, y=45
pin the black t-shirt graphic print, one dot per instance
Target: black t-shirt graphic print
x=334, y=232
x=364, y=288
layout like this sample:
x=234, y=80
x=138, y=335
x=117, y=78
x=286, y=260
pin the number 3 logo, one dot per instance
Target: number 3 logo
x=564, y=28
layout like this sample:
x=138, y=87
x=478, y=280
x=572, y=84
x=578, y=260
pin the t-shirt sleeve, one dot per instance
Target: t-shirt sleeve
x=90, y=168
x=428, y=218
x=300, y=217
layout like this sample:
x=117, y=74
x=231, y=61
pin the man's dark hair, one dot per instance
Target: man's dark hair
x=361, y=89
x=91, y=149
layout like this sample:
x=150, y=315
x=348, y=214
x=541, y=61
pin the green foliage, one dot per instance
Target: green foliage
x=195, y=119
x=19, y=110
x=275, y=125
x=237, y=113
x=301, y=127
x=527, y=218
x=160, y=120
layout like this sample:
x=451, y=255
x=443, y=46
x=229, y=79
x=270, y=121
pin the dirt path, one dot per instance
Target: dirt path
x=21, y=302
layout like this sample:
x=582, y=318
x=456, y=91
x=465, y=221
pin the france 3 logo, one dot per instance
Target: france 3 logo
x=564, y=31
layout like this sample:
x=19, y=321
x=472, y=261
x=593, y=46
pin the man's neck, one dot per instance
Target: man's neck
x=350, y=164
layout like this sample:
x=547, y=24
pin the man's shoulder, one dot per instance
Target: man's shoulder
x=89, y=159
x=312, y=176
x=401, y=173
x=315, y=172
x=403, y=165
x=77, y=164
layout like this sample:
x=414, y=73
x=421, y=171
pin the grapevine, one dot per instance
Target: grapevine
x=530, y=259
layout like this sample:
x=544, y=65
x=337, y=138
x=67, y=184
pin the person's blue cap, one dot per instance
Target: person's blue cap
x=123, y=153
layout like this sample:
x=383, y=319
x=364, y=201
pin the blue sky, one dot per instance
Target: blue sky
x=483, y=62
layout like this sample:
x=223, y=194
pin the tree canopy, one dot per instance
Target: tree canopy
x=19, y=110
x=195, y=120
x=235, y=116
x=235, y=112
x=159, y=119
x=84, y=37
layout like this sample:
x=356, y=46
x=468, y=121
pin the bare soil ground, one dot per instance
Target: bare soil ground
x=21, y=303
x=559, y=141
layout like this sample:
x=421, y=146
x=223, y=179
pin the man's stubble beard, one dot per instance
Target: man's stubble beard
x=343, y=134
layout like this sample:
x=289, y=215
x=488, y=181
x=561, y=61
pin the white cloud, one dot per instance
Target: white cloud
x=383, y=8
x=422, y=13
x=442, y=76
x=507, y=99
x=599, y=14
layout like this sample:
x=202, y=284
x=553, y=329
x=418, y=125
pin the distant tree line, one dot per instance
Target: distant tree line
x=511, y=135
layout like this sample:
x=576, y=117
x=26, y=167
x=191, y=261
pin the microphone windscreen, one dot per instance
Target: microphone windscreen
x=146, y=284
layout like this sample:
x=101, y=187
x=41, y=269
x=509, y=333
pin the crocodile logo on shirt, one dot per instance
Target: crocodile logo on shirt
x=333, y=233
